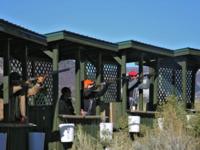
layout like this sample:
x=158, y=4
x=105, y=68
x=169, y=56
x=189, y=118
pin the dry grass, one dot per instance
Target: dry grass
x=175, y=134
x=84, y=141
x=197, y=104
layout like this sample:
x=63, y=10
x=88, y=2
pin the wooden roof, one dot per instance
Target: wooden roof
x=80, y=40
x=143, y=47
x=187, y=51
x=10, y=30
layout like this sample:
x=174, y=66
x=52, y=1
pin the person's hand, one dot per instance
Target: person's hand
x=28, y=82
x=83, y=113
x=40, y=79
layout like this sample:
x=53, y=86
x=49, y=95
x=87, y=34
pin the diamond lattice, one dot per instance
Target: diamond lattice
x=35, y=68
x=110, y=73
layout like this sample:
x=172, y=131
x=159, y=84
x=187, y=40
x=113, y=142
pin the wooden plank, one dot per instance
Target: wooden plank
x=141, y=100
x=80, y=116
x=124, y=85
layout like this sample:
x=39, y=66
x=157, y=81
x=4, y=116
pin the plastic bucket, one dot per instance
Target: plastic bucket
x=134, y=124
x=161, y=123
x=36, y=140
x=189, y=117
x=3, y=141
x=106, y=131
x=67, y=132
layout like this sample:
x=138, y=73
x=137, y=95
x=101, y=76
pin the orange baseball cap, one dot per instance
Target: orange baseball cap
x=87, y=82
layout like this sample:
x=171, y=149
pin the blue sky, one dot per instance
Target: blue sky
x=167, y=23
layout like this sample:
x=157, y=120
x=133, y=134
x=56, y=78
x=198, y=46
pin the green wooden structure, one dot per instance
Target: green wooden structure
x=174, y=73
x=21, y=50
x=33, y=54
x=174, y=70
x=95, y=59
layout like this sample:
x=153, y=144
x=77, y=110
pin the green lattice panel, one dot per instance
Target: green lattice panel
x=178, y=84
x=110, y=73
x=164, y=83
x=90, y=71
x=16, y=66
x=166, y=87
x=35, y=68
x=41, y=67
x=189, y=86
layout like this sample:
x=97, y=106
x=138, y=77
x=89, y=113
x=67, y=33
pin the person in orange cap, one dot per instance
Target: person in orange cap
x=91, y=92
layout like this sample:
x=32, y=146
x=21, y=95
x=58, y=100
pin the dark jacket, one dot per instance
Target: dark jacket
x=91, y=95
x=65, y=105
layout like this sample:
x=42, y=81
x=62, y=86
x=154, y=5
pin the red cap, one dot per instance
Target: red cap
x=133, y=73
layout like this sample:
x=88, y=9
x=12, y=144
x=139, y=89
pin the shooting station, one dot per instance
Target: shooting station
x=173, y=72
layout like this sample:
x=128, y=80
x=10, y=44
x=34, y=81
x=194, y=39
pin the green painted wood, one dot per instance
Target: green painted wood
x=24, y=61
x=49, y=53
x=80, y=74
x=184, y=80
x=186, y=51
x=147, y=121
x=124, y=85
x=99, y=78
x=56, y=144
x=194, y=71
x=117, y=59
x=6, y=72
x=141, y=100
x=55, y=73
x=17, y=31
x=17, y=135
x=90, y=124
x=81, y=39
x=151, y=89
x=144, y=48
x=155, y=83
x=6, y=81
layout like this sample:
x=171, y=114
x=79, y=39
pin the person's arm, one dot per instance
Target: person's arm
x=89, y=91
x=16, y=88
x=36, y=88
x=145, y=83
x=132, y=83
x=102, y=90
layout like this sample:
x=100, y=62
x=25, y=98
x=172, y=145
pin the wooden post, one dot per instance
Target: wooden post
x=55, y=56
x=184, y=80
x=80, y=74
x=6, y=81
x=155, y=84
x=151, y=96
x=173, y=81
x=194, y=71
x=124, y=85
x=24, y=61
x=55, y=74
x=141, y=100
x=98, y=80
